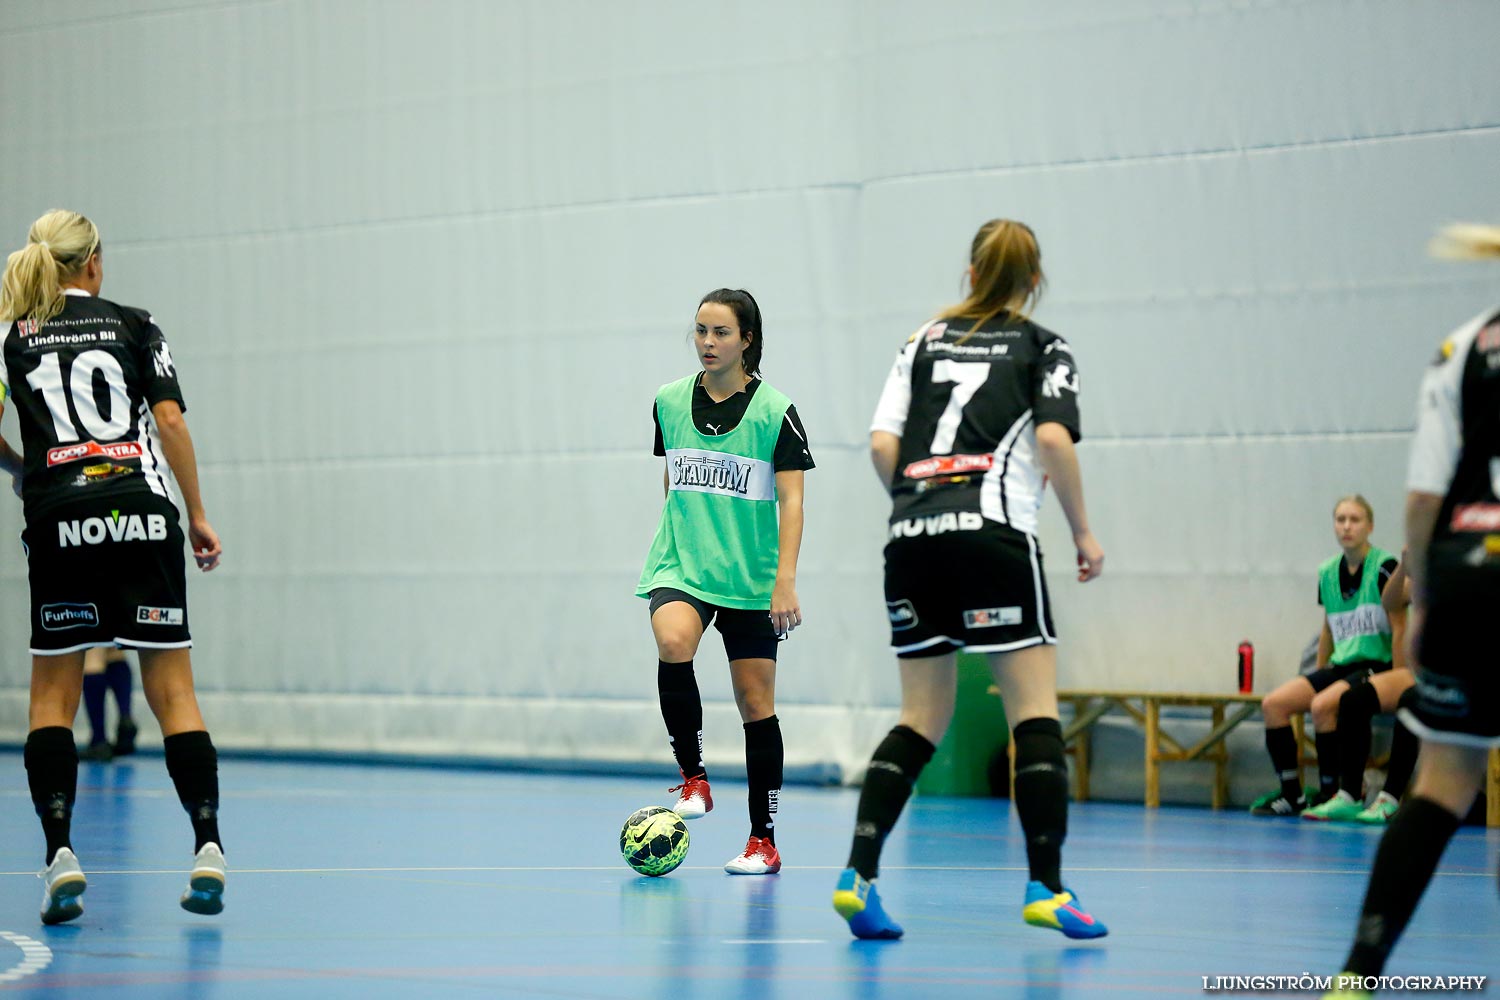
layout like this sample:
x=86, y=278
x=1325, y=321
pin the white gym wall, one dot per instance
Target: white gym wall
x=424, y=264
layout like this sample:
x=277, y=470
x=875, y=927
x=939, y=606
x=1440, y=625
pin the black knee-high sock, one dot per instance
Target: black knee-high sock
x=95, y=687
x=1327, y=745
x=1358, y=706
x=764, y=757
x=1281, y=744
x=1404, y=747
x=52, y=772
x=682, y=711
x=1041, y=797
x=117, y=675
x=194, y=766
x=1404, y=863
x=888, y=782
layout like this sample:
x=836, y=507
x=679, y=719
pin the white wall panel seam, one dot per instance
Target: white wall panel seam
x=919, y=176
x=175, y=10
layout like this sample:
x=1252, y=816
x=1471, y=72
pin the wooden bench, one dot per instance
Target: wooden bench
x=1145, y=708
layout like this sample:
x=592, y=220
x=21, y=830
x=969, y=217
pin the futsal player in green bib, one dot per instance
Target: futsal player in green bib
x=1354, y=644
x=725, y=553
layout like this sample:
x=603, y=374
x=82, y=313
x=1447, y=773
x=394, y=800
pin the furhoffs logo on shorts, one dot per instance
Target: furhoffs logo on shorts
x=59, y=617
x=158, y=616
x=902, y=614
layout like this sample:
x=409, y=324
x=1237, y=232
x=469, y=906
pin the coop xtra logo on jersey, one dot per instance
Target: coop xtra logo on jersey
x=92, y=449
x=698, y=471
x=115, y=528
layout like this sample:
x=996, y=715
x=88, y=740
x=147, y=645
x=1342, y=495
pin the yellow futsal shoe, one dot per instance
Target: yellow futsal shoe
x=1060, y=911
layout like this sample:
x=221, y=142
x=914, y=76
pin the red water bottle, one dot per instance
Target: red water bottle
x=1247, y=667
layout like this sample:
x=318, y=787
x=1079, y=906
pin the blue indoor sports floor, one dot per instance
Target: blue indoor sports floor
x=372, y=882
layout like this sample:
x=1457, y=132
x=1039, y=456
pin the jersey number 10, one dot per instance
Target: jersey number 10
x=47, y=379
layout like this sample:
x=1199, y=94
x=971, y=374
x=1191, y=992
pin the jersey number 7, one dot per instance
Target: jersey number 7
x=966, y=377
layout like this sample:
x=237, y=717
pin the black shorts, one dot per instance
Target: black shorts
x=1354, y=672
x=107, y=571
x=748, y=635
x=1457, y=696
x=979, y=589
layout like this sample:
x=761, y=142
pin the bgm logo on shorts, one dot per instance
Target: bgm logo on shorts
x=903, y=616
x=97, y=530
x=158, y=616
x=61, y=617
x=988, y=617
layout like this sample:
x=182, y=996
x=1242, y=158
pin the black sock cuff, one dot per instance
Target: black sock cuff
x=1434, y=817
x=765, y=725
x=663, y=664
x=1040, y=726
x=908, y=749
x=50, y=741
x=916, y=740
x=1278, y=737
x=1039, y=748
x=189, y=749
x=1360, y=701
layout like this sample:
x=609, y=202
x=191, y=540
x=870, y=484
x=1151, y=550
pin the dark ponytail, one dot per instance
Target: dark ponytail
x=747, y=313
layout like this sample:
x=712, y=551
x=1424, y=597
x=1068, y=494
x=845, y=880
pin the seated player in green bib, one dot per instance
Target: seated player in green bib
x=725, y=552
x=1355, y=644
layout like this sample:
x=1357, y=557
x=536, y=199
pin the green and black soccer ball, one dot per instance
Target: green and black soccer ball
x=654, y=840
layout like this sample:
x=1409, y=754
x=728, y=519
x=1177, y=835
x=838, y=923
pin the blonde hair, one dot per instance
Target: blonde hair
x=1466, y=241
x=1007, y=264
x=58, y=246
x=1358, y=500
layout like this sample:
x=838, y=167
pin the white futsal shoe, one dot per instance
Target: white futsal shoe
x=696, y=800
x=205, y=891
x=62, y=883
x=760, y=858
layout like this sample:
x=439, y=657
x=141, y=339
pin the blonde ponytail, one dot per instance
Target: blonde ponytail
x=59, y=245
x=1466, y=241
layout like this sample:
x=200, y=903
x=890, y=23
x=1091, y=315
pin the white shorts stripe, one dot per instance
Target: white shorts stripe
x=142, y=644
x=71, y=649
x=1041, y=603
x=1427, y=733
x=1007, y=647
x=923, y=645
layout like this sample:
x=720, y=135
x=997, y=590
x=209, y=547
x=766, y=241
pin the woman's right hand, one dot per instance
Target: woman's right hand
x=1090, y=556
x=205, y=542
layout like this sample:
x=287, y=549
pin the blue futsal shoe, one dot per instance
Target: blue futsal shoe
x=858, y=902
x=1061, y=911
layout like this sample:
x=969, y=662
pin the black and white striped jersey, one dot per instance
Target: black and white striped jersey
x=83, y=385
x=966, y=407
x=1455, y=452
